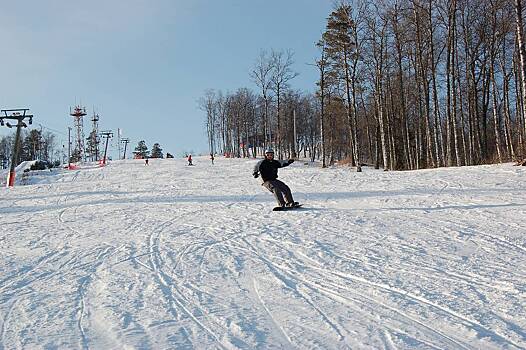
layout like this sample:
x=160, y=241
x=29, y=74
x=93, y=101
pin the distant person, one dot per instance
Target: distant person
x=212, y=158
x=268, y=169
x=190, y=159
x=145, y=161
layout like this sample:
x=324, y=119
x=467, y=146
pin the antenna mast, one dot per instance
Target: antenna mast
x=78, y=113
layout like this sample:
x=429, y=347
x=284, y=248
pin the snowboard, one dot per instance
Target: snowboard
x=297, y=206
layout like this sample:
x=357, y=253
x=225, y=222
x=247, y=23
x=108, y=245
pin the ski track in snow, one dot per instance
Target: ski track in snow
x=274, y=321
x=170, y=256
x=167, y=283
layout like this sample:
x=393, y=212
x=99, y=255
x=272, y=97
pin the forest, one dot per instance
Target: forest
x=34, y=144
x=402, y=84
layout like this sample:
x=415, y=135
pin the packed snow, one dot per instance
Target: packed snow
x=170, y=256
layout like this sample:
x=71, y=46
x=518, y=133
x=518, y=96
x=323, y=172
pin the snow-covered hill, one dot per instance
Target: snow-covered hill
x=168, y=256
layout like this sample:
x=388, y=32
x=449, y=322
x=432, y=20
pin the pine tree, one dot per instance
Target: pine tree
x=32, y=145
x=93, y=145
x=75, y=156
x=141, y=151
x=157, y=151
x=340, y=42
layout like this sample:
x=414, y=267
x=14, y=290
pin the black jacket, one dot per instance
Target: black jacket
x=269, y=168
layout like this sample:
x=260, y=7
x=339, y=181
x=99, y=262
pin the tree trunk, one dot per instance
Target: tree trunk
x=522, y=55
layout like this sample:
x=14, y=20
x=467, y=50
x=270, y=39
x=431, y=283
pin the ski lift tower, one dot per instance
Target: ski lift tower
x=78, y=113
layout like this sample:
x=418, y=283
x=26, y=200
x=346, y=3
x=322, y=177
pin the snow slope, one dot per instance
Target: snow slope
x=168, y=256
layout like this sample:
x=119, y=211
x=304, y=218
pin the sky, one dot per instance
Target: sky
x=143, y=65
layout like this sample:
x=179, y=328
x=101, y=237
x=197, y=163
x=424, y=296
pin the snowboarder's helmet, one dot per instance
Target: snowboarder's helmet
x=269, y=150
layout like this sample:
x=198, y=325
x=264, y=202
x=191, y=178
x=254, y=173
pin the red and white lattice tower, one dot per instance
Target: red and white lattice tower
x=78, y=113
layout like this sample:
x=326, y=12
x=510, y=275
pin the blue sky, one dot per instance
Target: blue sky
x=143, y=64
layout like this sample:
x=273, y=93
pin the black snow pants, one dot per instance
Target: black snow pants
x=279, y=189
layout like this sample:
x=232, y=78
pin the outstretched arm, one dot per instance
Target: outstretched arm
x=285, y=163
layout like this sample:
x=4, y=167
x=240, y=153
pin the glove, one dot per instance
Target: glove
x=291, y=161
x=256, y=175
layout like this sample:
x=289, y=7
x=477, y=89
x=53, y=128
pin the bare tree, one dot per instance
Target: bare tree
x=261, y=75
x=208, y=104
x=522, y=55
x=322, y=65
x=282, y=74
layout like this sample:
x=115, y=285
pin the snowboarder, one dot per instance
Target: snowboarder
x=268, y=169
x=190, y=159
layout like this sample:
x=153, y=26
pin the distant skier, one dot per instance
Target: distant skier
x=268, y=168
x=190, y=159
x=145, y=161
x=212, y=158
